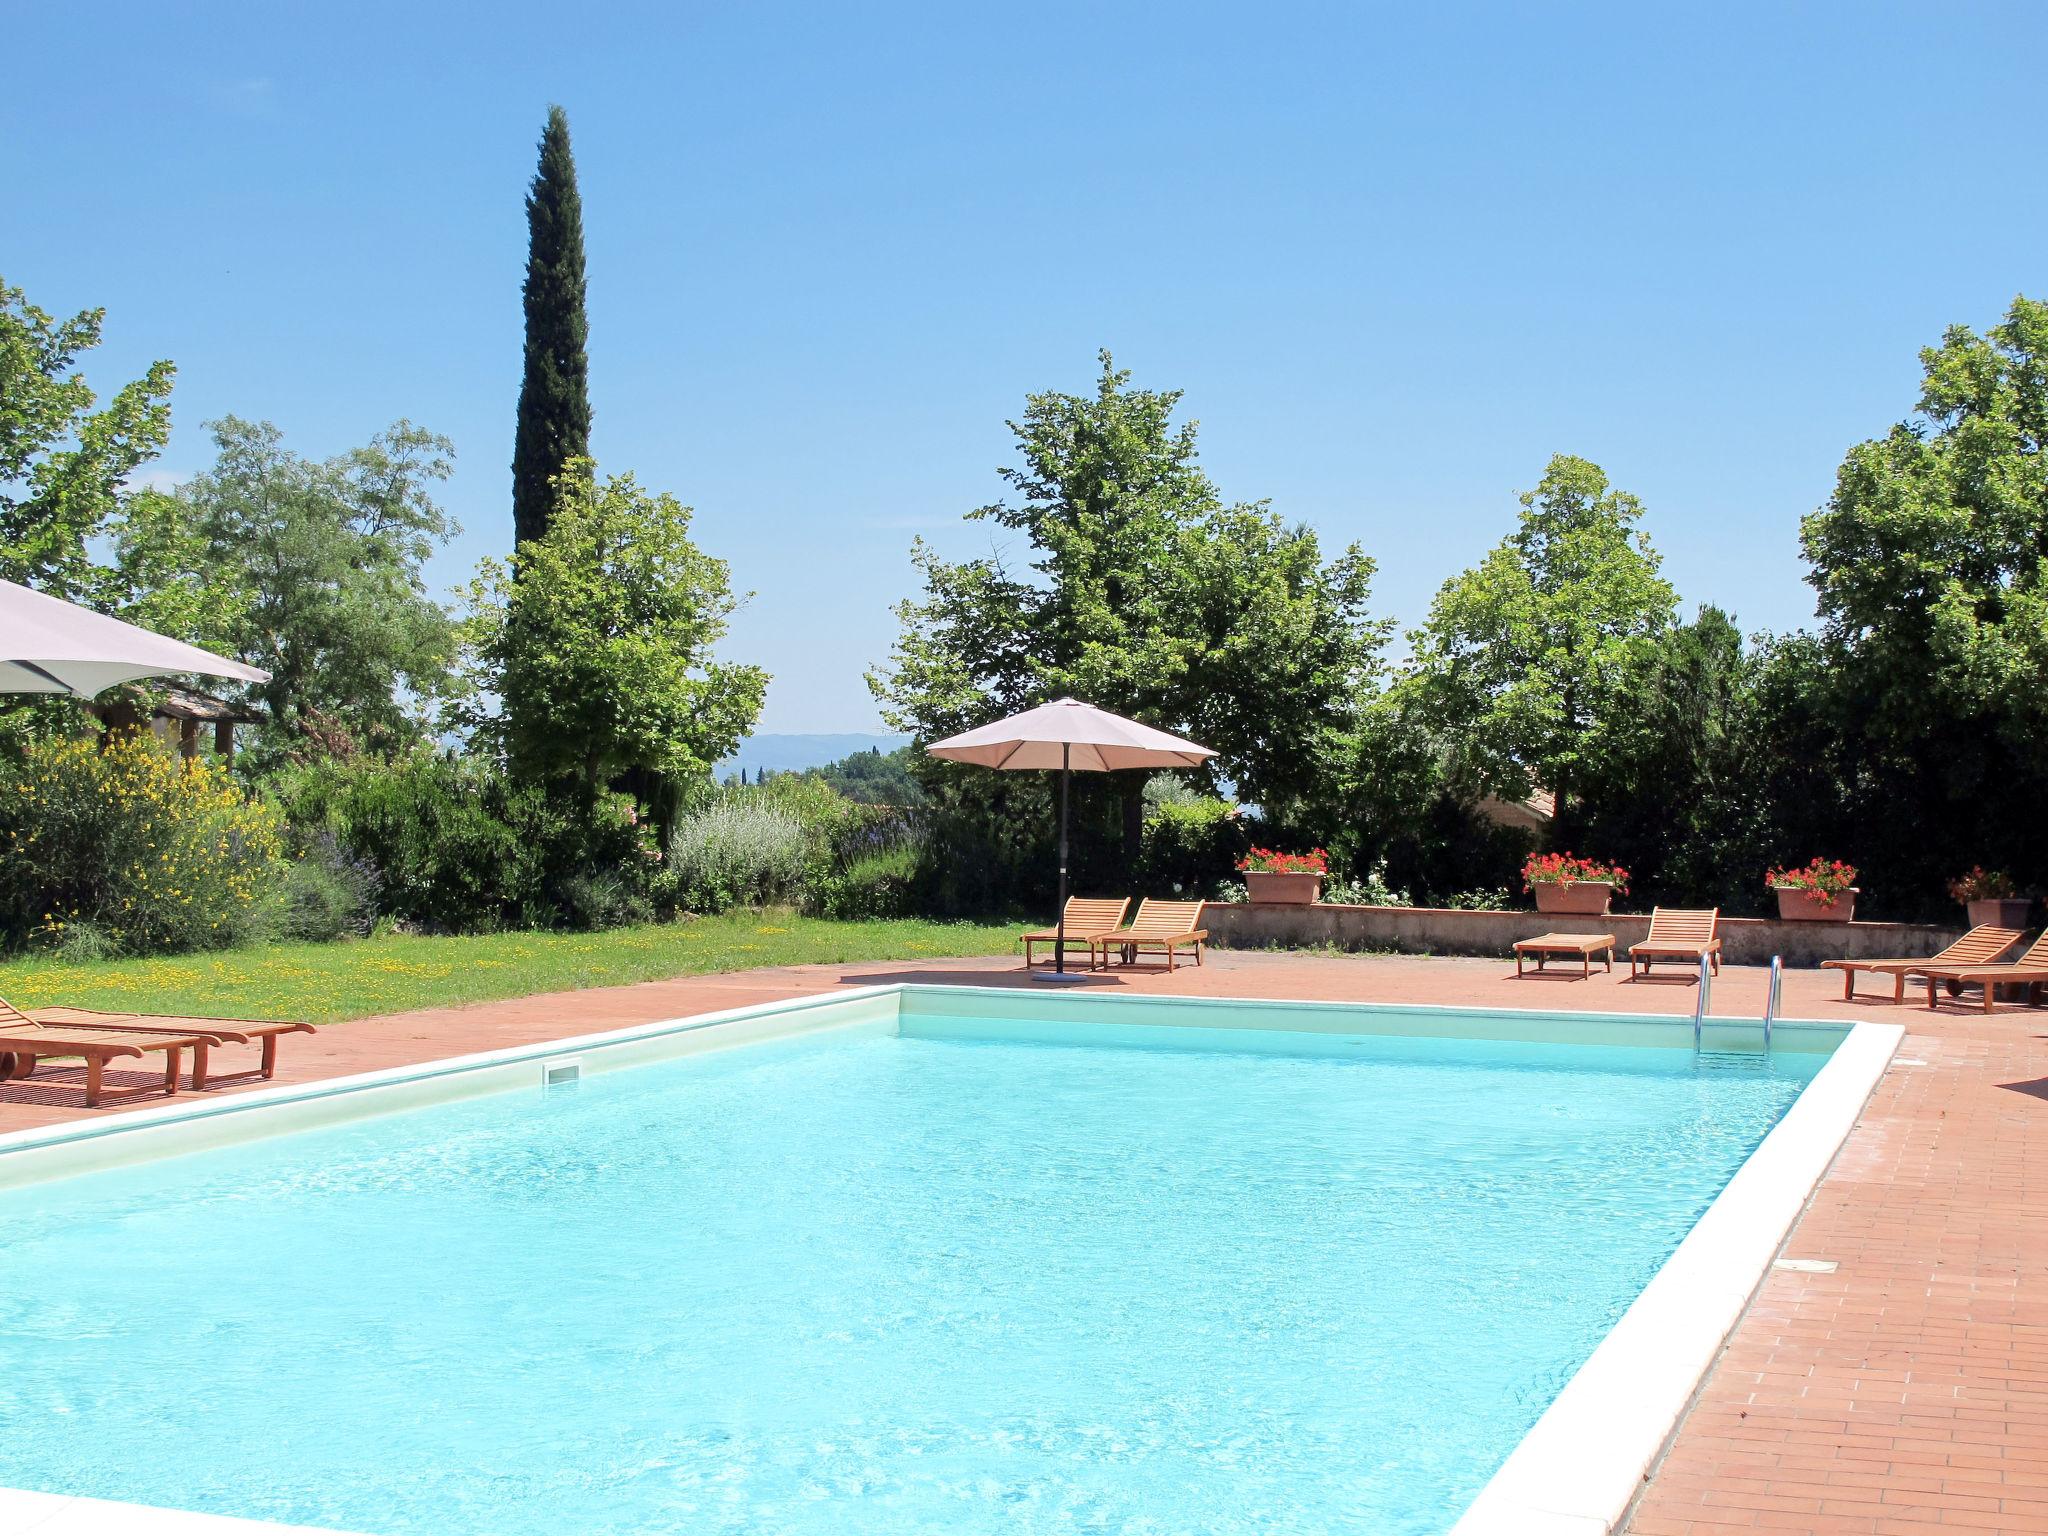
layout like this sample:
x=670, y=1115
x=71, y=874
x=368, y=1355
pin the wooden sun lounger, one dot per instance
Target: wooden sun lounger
x=2029, y=970
x=264, y=1033
x=20, y=1051
x=1980, y=946
x=1584, y=945
x=1165, y=926
x=1677, y=935
x=23, y=1042
x=1088, y=918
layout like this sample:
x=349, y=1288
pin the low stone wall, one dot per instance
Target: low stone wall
x=1440, y=931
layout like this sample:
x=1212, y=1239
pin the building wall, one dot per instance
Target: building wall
x=1438, y=931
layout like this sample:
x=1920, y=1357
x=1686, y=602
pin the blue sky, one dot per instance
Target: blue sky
x=1397, y=257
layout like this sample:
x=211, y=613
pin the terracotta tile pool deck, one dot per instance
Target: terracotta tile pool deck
x=1903, y=1394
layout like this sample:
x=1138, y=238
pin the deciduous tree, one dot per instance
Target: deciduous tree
x=331, y=557
x=602, y=652
x=72, y=522
x=1529, y=659
x=1931, y=558
x=1931, y=564
x=1146, y=594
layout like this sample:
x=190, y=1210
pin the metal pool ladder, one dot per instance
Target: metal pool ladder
x=1771, y=997
x=1702, y=1002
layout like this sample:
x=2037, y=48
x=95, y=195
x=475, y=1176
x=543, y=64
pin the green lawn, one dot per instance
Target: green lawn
x=323, y=982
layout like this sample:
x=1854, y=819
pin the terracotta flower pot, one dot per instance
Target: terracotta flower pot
x=1267, y=887
x=2000, y=911
x=1797, y=906
x=1574, y=898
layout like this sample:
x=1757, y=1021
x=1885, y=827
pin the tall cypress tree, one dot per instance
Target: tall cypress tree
x=554, y=396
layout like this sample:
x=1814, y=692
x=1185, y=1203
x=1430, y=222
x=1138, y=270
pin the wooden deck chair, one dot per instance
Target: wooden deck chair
x=1980, y=946
x=2029, y=970
x=1676, y=934
x=1166, y=926
x=24, y=1042
x=263, y=1033
x=1088, y=918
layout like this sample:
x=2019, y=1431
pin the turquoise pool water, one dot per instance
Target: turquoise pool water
x=869, y=1284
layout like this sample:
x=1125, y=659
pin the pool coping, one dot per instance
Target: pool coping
x=61, y=1514
x=73, y=1147
x=1576, y=1472
x=1582, y=1465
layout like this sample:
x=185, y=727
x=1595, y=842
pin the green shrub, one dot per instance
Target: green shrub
x=881, y=884
x=458, y=847
x=795, y=839
x=1500, y=900
x=739, y=852
x=84, y=942
x=326, y=894
x=1371, y=891
x=604, y=898
x=874, y=777
x=138, y=850
x=1191, y=846
x=836, y=829
x=1170, y=788
x=438, y=832
x=989, y=843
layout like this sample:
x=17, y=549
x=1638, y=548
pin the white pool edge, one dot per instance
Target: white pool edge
x=61, y=1514
x=1576, y=1473
x=1582, y=1465
x=180, y=1125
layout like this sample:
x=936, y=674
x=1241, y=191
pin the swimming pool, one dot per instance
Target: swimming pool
x=970, y=1265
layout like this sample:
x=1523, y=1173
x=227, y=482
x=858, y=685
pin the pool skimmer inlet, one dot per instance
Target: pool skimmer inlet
x=561, y=1072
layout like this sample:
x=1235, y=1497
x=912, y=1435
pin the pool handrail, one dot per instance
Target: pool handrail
x=1771, y=997
x=1700, y=1005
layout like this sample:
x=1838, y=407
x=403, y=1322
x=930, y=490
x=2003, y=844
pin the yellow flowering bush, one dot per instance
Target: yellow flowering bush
x=126, y=841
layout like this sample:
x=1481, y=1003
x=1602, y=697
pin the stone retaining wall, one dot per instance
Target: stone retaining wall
x=1440, y=931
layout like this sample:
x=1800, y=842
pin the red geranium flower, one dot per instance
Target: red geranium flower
x=1823, y=879
x=1265, y=861
x=1568, y=869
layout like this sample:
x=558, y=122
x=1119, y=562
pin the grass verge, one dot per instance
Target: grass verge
x=321, y=983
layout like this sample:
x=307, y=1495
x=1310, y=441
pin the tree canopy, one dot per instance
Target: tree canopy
x=601, y=653
x=1930, y=674
x=1529, y=660
x=72, y=523
x=1902, y=733
x=1145, y=593
x=329, y=557
x=1931, y=558
x=874, y=777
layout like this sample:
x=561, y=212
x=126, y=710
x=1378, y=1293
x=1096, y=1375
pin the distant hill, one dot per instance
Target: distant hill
x=793, y=753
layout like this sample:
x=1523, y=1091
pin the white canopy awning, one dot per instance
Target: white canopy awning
x=50, y=646
x=1069, y=734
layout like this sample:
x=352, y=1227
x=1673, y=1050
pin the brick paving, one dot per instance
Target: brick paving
x=1903, y=1394
x=1907, y=1392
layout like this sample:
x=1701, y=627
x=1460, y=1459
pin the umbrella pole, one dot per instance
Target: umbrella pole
x=1059, y=946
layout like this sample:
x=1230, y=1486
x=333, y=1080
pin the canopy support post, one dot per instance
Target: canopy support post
x=1059, y=944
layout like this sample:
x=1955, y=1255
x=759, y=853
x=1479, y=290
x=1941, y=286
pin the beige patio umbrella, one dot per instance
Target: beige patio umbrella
x=50, y=646
x=1074, y=738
